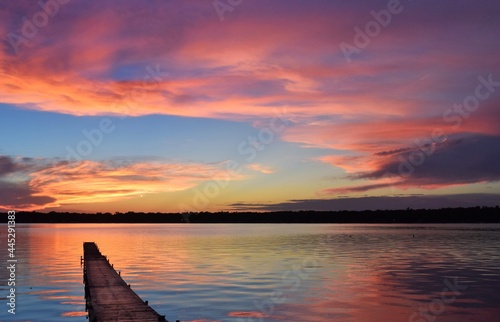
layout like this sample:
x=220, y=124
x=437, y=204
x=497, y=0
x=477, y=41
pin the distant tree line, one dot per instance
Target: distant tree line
x=444, y=215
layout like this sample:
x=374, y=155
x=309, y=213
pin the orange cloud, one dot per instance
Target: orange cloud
x=260, y=168
x=63, y=183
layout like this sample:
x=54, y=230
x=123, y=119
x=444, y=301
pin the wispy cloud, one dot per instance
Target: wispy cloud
x=39, y=183
x=457, y=161
x=260, y=168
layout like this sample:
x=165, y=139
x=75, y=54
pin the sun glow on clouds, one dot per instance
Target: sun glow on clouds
x=260, y=168
x=65, y=183
x=207, y=70
x=366, y=115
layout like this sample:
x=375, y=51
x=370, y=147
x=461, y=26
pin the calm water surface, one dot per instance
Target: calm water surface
x=269, y=273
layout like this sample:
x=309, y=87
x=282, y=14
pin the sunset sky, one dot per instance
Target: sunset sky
x=194, y=105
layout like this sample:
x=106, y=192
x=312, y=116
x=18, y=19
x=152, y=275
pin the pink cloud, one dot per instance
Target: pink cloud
x=260, y=168
x=453, y=162
x=73, y=75
x=51, y=183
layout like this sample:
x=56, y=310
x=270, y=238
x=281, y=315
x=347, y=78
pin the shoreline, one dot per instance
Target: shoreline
x=408, y=216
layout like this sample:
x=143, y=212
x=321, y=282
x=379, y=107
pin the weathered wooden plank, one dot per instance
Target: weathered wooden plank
x=107, y=295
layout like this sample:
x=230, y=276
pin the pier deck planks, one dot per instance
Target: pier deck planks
x=109, y=298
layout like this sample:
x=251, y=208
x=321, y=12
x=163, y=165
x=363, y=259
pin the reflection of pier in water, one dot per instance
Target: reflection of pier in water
x=108, y=297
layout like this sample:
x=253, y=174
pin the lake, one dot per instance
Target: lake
x=265, y=272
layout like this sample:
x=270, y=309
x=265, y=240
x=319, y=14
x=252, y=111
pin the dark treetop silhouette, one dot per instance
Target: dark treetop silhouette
x=445, y=215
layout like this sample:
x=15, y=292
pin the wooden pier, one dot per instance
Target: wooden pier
x=108, y=297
